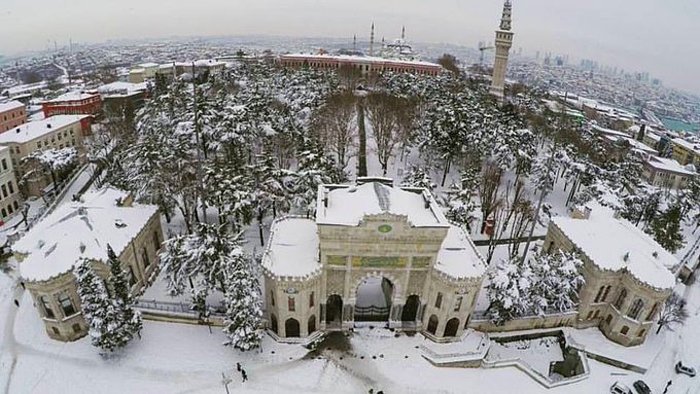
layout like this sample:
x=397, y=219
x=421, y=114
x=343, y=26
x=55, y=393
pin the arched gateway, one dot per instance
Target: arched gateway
x=373, y=253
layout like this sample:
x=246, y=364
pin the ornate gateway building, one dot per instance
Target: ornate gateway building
x=374, y=253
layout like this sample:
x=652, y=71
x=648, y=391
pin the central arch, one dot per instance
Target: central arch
x=410, y=308
x=334, y=311
x=373, y=299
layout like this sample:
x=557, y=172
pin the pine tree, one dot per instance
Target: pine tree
x=666, y=229
x=243, y=300
x=418, y=177
x=121, y=295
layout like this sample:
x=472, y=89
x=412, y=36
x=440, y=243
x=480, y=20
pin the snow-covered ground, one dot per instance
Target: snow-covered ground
x=537, y=353
x=177, y=358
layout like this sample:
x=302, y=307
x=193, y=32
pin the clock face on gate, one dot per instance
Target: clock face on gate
x=384, y=228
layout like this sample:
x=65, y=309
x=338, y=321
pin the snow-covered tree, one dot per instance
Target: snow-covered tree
x=99, y=310
x=547, y=283
x=458, y=200
x=121, y=296
x=244, y=303
x=314, y=170
x=666, y=229
x=54, y=160
x=418, y=177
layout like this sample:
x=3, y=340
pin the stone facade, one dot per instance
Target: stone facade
x=388, y=246
x=616, y=302
x=504, y=40
x=56, y=298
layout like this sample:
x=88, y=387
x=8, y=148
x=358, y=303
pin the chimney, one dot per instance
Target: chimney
x=48, y=125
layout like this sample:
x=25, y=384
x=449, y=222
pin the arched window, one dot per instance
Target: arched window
x=311, y=326
x=47, y=307
x=451, y=327
x=273, y=323
x=311, y=300
x=624, y=330
x=432, y=324
x=291, y=306
x=600, y=294
x=156, y=241
x=641, y=332
x=458, y=303
x=144, y=257
x=620, y=298
x=608, y=319
x=652, y=312
x=438, y=300
x=596, y=314
x=636, y=307
x=590, y=315
x=605, y=294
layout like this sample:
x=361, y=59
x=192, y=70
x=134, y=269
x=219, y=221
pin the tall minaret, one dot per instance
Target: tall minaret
x=403, y=32
x=504, y=40
x=371, y=40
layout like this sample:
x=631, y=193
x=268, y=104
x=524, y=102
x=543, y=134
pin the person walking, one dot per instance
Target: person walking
x=244, y=375
x=16, y=303
x=238, y=367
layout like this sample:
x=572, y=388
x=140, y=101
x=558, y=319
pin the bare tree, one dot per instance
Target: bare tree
x=334, y=125
x=673, y=312
x=382, y=111
x=488, y=191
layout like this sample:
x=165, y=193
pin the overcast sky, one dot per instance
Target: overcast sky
x=662, y=37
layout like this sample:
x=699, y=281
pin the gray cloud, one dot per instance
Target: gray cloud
x=659, y=37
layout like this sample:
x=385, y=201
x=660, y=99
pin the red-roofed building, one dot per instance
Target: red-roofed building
x=73, y=103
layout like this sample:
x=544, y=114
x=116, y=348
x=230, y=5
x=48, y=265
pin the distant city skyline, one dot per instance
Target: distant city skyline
x=644, y=35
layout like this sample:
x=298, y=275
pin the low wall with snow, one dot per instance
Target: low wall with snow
x=565, y=319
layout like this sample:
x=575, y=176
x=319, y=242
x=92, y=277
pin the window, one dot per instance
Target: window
x=636, y=307
x=624, y=330
x=76, y=328
x=596, y=314
x=132, y=276
x=620, y=298
x=4, y=191
x=311, y=300
x=55, y=331
x=48, y=312
x=4, y=213
x=9, y=186
x=10, y=209
x=290, y=304
x=4, y=164
x=156, y=241
x=605, y=294
x=608, y=319
x=66, y=305
x=272, y=297
x=458, y=303
x=641, y=332
x=144, y=256
x=438, y=300
x=600, y=294
x=590, y=315
x=652, y=312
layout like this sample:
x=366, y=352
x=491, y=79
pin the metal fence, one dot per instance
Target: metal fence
x=372, y=313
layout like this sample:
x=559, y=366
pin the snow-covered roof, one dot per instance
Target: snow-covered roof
x=71, y=96
x=615, y=244
x=10, y=106
x=348, y=205
x=668, y=165
x=120, y=87
x=78, y=230
x=458, y=256
x=359, y=59
x=32, y=130
x=148, y=65
x=610, y=132
x=691, y=146
x=292, y=250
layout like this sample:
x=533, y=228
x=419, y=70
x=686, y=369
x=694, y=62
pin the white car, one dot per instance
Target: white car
x=620, y=388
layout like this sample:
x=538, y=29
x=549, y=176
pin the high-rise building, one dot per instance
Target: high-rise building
x=504, y=40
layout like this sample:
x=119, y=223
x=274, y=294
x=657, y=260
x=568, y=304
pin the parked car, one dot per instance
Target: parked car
x=620, y=388
x=641, y=387
x=684, y=369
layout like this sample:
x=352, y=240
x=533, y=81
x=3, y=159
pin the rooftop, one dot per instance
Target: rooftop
x=292, y=250
x=358, y=59
x=122, y=88
x=668, y=165
x=10, y=105
x=458, y=256
x=348, y=205
x=691, y=146
x=71, y=96
x=616, y=244
x=32, y=130
x=79, y=230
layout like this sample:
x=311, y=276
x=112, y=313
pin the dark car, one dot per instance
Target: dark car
x=684, y=369
x=641, y=387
